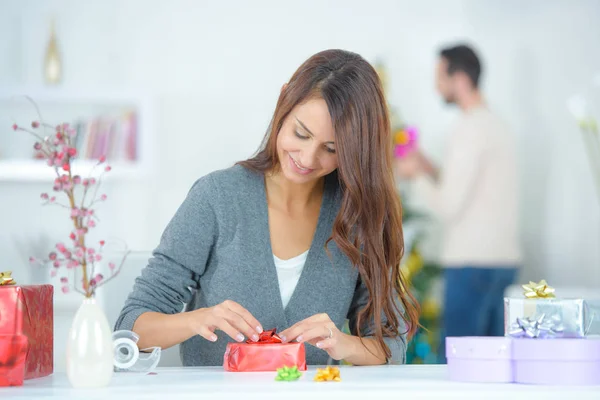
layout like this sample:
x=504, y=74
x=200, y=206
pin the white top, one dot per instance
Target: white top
x=477, y=194
x=288, y=274
x=377, y=382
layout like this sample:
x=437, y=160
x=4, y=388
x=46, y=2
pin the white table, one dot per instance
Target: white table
x=368, y=383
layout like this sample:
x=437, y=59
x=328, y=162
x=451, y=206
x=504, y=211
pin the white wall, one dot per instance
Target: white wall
x=541, y=53
x=214, y=70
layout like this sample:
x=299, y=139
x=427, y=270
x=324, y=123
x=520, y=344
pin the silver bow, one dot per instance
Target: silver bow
x=540, y=327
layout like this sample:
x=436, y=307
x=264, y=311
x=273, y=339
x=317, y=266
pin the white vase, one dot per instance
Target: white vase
x=90, y=347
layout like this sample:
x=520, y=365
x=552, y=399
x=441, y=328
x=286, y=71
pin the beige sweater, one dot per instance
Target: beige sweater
x=476, y=197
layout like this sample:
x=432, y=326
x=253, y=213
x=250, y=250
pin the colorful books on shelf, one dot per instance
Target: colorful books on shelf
x=114, y=136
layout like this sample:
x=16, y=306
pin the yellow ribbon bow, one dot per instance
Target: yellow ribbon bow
x=6, y=278
x=328, y=374
x=539, y=290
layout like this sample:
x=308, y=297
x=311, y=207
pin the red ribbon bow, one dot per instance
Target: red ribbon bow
x=267, y=337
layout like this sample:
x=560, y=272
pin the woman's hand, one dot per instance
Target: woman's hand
x=229, y=317
x=321, y=332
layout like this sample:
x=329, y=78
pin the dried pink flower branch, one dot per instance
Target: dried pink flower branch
x=58, y=151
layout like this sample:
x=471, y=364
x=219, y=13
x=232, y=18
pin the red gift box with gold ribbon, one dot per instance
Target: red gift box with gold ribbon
x=268, y=354
x=26, y=311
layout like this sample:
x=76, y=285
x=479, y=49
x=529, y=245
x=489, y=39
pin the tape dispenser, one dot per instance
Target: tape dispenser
x=127, y=355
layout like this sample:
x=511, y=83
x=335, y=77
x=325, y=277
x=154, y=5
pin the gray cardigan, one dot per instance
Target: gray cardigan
x=217, y=247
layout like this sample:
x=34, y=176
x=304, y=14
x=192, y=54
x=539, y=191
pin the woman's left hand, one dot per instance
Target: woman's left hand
x=321, y=332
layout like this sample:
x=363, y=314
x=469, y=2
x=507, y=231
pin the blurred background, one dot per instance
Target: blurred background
x=190, y=87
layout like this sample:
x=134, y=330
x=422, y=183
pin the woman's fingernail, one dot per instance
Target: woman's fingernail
x=240, y=337
x=213, y=338
x=320, y=344
x=299, y=338
x=255, y=338
x=259, y=329
x=283, y=338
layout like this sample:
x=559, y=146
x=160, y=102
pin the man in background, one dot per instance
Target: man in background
x=474, y=194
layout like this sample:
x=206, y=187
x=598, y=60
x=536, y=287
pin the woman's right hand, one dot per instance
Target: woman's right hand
x=229, y=317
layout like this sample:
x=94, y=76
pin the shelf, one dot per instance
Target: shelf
x=38, y=171
x=63, y=104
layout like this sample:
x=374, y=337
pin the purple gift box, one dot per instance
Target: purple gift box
x=557, y=361
x=480, y=359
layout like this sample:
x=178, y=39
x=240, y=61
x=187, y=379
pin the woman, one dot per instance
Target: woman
x=301, y=237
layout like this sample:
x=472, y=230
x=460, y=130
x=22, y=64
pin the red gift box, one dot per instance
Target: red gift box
x=28, y=311
x=13, y=352
x=268, y=354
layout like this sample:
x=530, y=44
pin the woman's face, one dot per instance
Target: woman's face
x=306, y=143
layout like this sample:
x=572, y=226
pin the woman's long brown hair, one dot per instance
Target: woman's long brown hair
x=368, y=226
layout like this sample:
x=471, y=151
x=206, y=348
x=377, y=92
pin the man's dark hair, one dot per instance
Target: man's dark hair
x=463, y=58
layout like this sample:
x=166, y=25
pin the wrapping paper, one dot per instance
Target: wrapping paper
x=556, y=318
x=13, y=352
x=268, y=354
x=480, y=359
x=557, y=362
x=28, y=311
x=594, y=308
